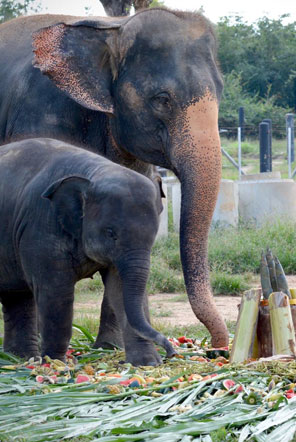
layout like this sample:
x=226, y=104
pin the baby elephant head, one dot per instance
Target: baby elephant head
x=110, y=216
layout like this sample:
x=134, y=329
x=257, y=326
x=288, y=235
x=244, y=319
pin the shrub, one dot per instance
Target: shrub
x=256, y=109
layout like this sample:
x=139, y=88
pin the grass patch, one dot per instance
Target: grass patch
x=159, y=313
x=222, y=435
x=90, y=287
x=88, y=321
x=166, y=273
x=179, y=298
x=224, y=283
x=239, y=250
x=234, y=256
x=197, y=331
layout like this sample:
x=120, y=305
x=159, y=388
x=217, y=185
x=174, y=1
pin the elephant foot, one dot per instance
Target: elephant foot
x=109, y=340
x=143, y=355
x=61, y=356
x=21, y=352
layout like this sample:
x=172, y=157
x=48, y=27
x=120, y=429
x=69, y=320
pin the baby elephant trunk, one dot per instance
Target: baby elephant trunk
x=134, y=272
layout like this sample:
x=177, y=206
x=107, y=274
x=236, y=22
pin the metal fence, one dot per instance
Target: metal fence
x=265, y=144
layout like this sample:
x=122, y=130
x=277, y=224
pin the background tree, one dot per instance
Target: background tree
x=116, y=8
x=263, y=54
x=141, y=4
x=122, y=7
x=10, y=8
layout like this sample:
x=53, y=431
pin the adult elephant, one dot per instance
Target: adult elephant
x=139, y=90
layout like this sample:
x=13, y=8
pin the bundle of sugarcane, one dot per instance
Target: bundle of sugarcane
x=273, y=278
x=265, y=327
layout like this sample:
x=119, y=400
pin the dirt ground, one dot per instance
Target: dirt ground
x=165, y=308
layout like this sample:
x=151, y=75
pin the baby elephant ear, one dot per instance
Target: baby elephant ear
x=80, y=59
x=67, y=196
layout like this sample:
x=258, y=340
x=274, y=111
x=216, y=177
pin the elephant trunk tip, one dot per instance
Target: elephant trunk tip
x=170, y=351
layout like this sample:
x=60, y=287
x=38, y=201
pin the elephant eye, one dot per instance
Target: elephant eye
x=111, y=234
x=161, y=102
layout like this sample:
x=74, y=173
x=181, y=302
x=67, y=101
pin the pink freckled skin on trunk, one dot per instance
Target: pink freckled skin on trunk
x=197, y=157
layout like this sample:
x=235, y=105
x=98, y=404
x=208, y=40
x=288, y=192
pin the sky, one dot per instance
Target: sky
x=250, y=10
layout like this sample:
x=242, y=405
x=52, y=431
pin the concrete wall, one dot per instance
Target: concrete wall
x=254, y=198
x=226, y=211
x=263, y=199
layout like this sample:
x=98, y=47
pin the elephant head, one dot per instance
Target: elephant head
x=116, y=226
x=155, y=75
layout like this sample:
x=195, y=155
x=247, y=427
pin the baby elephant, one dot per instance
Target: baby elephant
x=65, y=214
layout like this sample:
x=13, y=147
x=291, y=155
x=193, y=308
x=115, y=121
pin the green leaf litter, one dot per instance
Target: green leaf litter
x=96, y=397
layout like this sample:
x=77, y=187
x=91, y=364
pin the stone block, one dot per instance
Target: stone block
x=262, y=176
x=260, y=200
x=226, y=210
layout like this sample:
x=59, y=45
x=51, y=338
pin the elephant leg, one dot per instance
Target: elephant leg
x=109, y=335
x=138, y=351
x=55, y=308
x=20, y=324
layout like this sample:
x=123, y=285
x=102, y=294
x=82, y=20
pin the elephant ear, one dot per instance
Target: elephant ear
x=81, y=59
x=67, y=196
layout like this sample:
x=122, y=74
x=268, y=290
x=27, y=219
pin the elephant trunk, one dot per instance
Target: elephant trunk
x=134, y=272
x=197, y=162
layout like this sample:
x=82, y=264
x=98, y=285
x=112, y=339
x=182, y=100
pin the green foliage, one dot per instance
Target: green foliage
x=166, y=272
x=164, y=279
x=256, y=108
x=224, y=283
x=91, y=285
x=263, y=54
x=157, y=4
x=11, y=8
x=222, y=435
x=238, y=250
x=234, y=255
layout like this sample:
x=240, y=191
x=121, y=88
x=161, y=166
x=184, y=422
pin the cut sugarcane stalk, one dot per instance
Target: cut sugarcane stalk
x=283, y=334
x=282, y=284
x=293, y=293
x=246, y=326
x=271, y=268
x=292, y=303
x=265, y=277
x=264, y=330
x=256, y=349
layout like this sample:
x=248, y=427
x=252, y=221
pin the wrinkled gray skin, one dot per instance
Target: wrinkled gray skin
x=65, y=214
x=140, y=90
